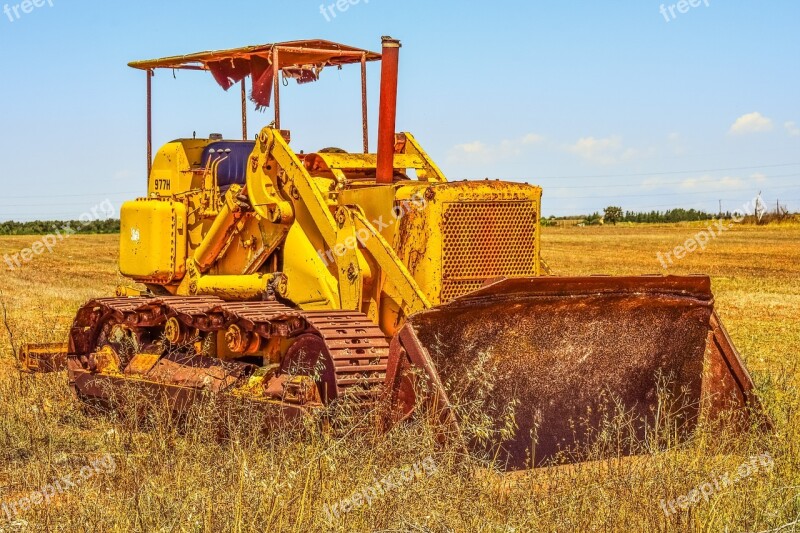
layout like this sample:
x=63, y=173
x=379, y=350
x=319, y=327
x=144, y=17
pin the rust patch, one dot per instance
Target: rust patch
x=141, y=364
x=198, y=372
x=44, y=358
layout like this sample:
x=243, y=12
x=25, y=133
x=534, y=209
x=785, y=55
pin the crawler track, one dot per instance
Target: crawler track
x=357, y=348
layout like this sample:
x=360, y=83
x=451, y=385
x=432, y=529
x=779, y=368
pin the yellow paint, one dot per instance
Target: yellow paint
x=153, y=241
x=106, y=361
x=172, y=168
x=317, y=231
x=142, y=363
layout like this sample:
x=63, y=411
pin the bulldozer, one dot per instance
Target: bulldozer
x=298, y=280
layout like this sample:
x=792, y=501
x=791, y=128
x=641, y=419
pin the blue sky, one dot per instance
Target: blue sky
x=601, y=103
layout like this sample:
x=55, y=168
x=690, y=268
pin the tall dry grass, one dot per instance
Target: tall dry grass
x=182, y=476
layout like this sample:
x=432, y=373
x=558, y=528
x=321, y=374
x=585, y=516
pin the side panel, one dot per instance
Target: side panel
x=172, y=168
x=153, y=241
x=467, y=233
x=311, y=285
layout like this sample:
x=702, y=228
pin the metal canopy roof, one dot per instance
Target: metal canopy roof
x=265, y=65
x=292, y=54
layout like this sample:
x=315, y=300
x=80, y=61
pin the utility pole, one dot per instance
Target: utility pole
x=720, y=209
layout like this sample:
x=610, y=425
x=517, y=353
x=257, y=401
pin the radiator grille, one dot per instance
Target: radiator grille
x=485, y=240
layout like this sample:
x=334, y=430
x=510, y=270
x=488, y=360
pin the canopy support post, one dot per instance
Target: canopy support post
x=277, y=88
x=244, y=110
x=150, y=75
x=364, y=107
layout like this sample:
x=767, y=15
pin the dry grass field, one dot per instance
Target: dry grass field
x=159, y=476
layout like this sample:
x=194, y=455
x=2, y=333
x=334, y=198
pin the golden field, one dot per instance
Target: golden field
x=167, y=477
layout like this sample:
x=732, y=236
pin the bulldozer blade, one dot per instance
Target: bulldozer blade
x=566, y=352
x=43, y=358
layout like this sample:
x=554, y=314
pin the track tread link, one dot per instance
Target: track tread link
x=358, y=348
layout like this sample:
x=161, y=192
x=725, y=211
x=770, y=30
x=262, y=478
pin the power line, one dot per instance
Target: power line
x=35, y=205
x=72, y=195
x=643, y=174
x=671, y=205
x=666, y=173
x=684, y=193
x=636, y=186
x=637, y=210
x=573, y=187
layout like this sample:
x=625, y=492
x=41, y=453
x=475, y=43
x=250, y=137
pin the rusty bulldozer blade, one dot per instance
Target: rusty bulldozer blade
x=564, y=349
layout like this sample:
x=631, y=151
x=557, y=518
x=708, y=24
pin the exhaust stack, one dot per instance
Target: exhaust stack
x=387, y=120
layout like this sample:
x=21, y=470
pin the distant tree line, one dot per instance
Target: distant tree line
x=671, y=215
x=614, y=215
x=50, y=227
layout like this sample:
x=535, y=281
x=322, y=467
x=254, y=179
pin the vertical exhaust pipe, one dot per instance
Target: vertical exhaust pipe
x=387, y=120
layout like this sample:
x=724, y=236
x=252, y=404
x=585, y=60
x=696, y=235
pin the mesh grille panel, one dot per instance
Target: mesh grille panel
x=485, y=240
x=453, y=289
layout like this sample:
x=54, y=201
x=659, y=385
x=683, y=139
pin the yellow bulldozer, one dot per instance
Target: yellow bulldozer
x=297, y=280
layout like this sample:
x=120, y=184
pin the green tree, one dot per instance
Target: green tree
x=613, y=214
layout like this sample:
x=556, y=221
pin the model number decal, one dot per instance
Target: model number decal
x=163, y=185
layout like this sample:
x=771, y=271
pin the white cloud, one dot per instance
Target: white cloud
x=652, y=183
x=792, y=128
x=602, y=151
x=480, y=152
x=676, y=143
x=124, y=175
x=476, y=147
x=532, y=138
x=731, y=183
x=706, y=183
x=693, y=183
x=751, y=123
